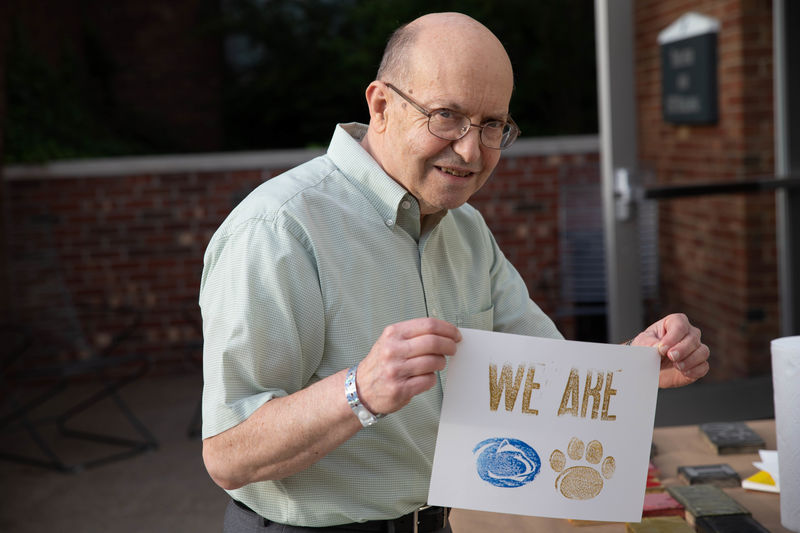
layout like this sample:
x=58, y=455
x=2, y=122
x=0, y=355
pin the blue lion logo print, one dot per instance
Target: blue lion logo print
x=505, y=462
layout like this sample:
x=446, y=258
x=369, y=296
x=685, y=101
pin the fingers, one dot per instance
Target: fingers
x=404, y=361
x=688, y=353
x=674, y=330
x=694, y=365
x=423, y=326
x=685, y=357
x=677, y=352
x=679, y=339
x=430, y=344
x=692, y=368
x=421, y=346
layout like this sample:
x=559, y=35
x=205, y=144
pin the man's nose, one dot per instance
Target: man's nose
x=468, y=147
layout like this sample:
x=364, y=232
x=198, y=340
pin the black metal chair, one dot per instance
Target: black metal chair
x=39, y=365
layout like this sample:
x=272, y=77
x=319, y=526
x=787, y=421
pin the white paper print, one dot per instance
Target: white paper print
x=545, y=427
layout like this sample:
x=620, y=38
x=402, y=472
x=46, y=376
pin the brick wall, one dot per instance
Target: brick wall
x=717, y=253
x=132, y=231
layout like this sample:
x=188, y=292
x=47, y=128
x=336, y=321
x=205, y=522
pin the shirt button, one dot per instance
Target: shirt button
x=406, y=204
x=389, y=222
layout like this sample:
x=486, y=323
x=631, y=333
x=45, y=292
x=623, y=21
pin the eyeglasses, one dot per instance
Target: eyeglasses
x=451, y=125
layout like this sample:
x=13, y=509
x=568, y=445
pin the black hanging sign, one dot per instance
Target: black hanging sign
x=689, y=70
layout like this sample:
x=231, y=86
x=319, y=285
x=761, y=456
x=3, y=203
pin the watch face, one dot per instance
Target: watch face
x=365, y=417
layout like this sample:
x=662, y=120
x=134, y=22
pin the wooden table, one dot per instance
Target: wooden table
x=676, y=446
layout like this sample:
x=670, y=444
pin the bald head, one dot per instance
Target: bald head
x=426, y=46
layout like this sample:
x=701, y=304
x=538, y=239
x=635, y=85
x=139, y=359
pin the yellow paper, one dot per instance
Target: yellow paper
x=760, y=481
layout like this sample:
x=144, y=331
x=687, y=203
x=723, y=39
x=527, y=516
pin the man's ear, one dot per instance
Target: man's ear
x=377, y=102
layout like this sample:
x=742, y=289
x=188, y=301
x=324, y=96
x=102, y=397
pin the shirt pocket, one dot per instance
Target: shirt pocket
x=483, y=320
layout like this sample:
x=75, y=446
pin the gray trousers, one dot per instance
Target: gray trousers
x=238, y=520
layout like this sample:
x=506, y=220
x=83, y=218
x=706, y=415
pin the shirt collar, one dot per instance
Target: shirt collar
x=358, y=166
x=383, y=192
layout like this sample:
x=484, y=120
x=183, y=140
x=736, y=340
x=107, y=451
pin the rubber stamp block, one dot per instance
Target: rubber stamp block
x=721, y=475
x=653, y=485
x=729, y=524
x=705, y=500
x=661, y=504
x=731, y=437
x=659, y=524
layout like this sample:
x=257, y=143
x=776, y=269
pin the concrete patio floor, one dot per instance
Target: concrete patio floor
x=165, y=490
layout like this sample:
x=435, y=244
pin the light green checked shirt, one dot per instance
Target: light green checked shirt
x=300, y=281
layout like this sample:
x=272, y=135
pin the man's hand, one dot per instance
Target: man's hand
x=684, y=359
x=403, y=362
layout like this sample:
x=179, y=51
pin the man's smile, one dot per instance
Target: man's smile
x=460, y=173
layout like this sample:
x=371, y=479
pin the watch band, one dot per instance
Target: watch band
x=364, y=415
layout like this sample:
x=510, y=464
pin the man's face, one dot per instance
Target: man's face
x=443, y=174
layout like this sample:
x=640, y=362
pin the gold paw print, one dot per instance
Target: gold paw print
x=581, y=482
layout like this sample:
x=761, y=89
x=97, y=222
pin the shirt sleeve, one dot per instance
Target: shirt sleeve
x=263, y=324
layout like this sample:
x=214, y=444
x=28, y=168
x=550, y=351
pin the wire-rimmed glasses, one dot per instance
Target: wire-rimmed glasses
x=451, y=125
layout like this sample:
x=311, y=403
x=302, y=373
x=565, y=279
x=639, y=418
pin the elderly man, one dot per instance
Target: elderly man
x=332, y=297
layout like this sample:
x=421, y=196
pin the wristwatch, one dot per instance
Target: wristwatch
x=364, y=415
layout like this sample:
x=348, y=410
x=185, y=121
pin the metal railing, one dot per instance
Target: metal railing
x=767, y=183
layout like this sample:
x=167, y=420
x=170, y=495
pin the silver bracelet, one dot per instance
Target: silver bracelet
x=364, y=415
